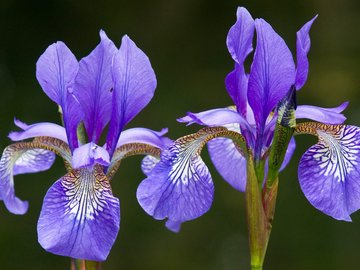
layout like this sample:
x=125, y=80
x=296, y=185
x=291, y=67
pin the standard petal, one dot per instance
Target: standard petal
x=18, y=159
x=240, y=36
x=80, y=218
x=180, y=187
x=239, y=43
x=302, y=48
x=228, y=161
x=88, y=155
x=94, y=87
x=134, y=87
x=37, y=130
x=215, y=117
x=56, y=70
x=323, y=115
x=144, y=135
x=236, y=83
x=329, y=171
x=272, y=72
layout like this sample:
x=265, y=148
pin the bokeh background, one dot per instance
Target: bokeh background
x=185, y=40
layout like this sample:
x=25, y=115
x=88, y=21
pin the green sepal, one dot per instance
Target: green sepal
x=284, y=130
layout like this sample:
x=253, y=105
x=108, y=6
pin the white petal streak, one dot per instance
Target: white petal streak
x=337, y=153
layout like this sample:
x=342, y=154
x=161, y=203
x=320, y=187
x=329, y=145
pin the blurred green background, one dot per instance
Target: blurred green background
x=185, y=41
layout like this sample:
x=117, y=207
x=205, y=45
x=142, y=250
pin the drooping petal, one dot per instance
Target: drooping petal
x=80, y=218
x=180, y=187
x=228, y=160
x=94, y=87
x=37, y=130
x=144, y=135
x=134, y=86
x=17, y=159
x=323, y=115
x=272, y=72
x=173, y=226
x=56, y=70
x=289, y=153
x=215, y=117
x=328, y=171
x=239, y=43
x=88, y=155
x=302, y=48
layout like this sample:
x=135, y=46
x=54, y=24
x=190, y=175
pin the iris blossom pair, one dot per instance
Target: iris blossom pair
x=180, y=187
x=80, y=217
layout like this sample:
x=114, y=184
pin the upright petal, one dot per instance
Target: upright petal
x=80, y=218
x=236, y=83
x=18, y=159
x=328, y=171
x=56, y=70
x=323, y=115
x=272, y=72
x=228, y=160
x=94, y=87
x=240, y=36
x=239, y=43
x=134, y=86
x=302, y=48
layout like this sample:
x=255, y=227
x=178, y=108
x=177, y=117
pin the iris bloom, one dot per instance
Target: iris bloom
x=180, y=187
x=80, y=217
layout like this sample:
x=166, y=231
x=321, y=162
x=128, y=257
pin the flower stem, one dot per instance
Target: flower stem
x=260, y=208
x=77, y=264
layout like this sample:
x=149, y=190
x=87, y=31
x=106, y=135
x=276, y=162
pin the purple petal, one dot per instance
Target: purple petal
x=240, y=36
x=329, y=174
x=148, y=164
x=144, y=135
x=94, y=87
x=215, y=117
x=323, y=115
x=239, y=43
x=37, y=130
x=302, y=48
x=56, y=70
x=173, y=226
x=16, y=159
x=80, y=218
x=236, y=83
x=228, y=161
x=272, y=72
x=289, y=153
x=179, y=187
x=134, y=87
x=88, y=155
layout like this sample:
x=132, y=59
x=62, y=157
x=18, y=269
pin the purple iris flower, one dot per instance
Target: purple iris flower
x=80, y=217
x=180, y=187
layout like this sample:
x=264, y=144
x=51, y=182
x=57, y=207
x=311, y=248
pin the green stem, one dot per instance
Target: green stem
x=77, y=264
x=260, y=208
